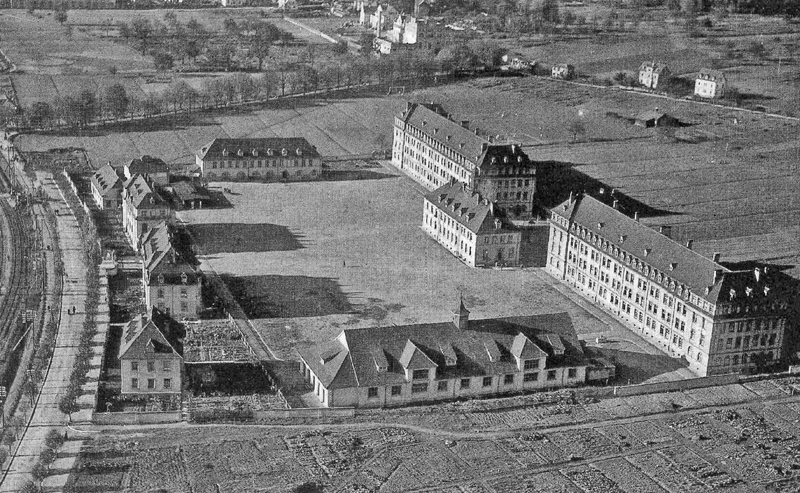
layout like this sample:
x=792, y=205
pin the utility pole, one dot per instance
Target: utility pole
x=2, y=406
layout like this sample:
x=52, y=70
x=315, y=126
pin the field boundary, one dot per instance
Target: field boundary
x=660, y=387
x=137, y=418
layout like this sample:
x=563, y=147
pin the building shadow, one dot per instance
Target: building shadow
x=633, y=368
x=217, y=238
x=354, y=175
x=533, y=246
x=273, y=296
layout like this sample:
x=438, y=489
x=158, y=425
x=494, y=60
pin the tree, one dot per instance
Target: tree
x=365, y=40
x=549, y=11
x=40, y=115
x=340, y=48
x=259, y=39
x=61, y=14
x=116, y=100
x=245, y=87
x=220, y=55
x=141, y=31
x=163, y=60
x=577, y=128
x=88, y=106
x=266, y=85
x=308, y=487
x=487, y=53
x=68, y=405
x=456, y=58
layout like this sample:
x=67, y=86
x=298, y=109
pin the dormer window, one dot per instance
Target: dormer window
x=672, y=266
x=646, y=252
x=284, y=152
x=732, y=293
x=184, y=278
x=255, y=153
x=240, y=153
x=599, y=225
x=298, y=151
x=160, y=279
x=269, y=151
x=225, y=152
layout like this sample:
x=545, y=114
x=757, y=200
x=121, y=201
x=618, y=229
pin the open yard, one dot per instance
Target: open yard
x=744, y=445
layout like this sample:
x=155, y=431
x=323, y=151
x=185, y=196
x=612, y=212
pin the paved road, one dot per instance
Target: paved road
x=46, y=414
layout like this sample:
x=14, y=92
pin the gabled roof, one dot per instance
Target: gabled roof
x=185, y=190
x=147, y=165
x=687, y=268
x=467, y=208
x=711, y=74
x=106, y=179
x=484, y=348
x=146, y=335
x=523, y=348
x=291, y=147
x=142, y=195
x=161, y=259
x=432, y=120
x=657, y=67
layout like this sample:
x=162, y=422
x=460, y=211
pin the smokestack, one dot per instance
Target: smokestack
x=757, y=273
x=715, y=258
x=615, y=205
x=717, y=276
x=636, y=216
x=689, y=244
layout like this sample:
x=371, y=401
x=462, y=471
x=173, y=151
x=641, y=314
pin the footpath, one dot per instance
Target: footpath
x=46, y=414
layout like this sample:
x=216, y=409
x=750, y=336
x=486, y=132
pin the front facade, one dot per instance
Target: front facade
x=709, y=84
x=171, y=283
x=143, y=208
x=434, y=150
x=390, y=366
x=264, y=159
x=106, y=187
x=150, y=356
x=653, y=73
x=720, y=321
x=563, y=71
x=468, y=226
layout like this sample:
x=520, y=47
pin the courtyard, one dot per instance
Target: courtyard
x=306, y=260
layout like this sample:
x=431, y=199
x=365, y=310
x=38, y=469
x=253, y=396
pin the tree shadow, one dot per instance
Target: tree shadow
x=273, y=296
x=217, y=238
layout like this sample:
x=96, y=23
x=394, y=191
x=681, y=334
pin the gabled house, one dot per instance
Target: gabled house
x=388, y=366
x=150, y=355
x=268, y=159
x=470, y=227
x=106, y=185
x=154, y=170
x=171, y=281
x=709, y=84
x=142, y=208
x=653, y=73
x=655, y=118
x=563, y=71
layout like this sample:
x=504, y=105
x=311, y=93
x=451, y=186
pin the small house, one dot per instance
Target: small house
x=709, y=84
x=106, y=185
x=150, y=355
x=651, y=73
x=563, y=71
x=655, y=118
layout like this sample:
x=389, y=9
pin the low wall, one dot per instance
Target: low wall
x=677, y=385
x=310, y=412
x=143, y=418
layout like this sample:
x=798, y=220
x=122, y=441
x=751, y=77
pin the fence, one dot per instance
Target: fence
x=650, y=388
x=143, y=418
x=309, y=412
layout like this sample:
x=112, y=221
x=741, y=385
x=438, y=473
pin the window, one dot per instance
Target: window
x=487, y=381
x=397, y=390
x=530, y=364
x=551, y=375
x=508, y=379
x=151, y=366
x=151, y=383
x=572, y=373
x=372, y=393
x=166, y=365
x=420, y=374
x=160, y=292
x=442, y=386
x=464, y=383
x=419, y=388
x=184, y=307
x=530, y=377
x=184, y=293
x=134, y=366
x=135, y=383
x=167, y=383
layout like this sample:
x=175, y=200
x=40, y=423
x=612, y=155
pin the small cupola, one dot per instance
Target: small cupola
x=461, y=315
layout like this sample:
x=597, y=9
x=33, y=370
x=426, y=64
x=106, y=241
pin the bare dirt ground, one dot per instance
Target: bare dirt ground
x=738, y=438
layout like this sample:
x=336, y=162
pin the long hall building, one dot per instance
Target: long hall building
x=719, y=320
x=433, y=149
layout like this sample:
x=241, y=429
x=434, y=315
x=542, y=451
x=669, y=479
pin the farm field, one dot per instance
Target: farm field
x=713, y=449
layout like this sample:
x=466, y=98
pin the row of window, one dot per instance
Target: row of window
x=418, y=387
x=166, y=365
x=271, y=163
x=746, y=342
x=151, y=383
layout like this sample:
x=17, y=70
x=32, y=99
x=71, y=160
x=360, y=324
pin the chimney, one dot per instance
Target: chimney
x=484, y=146
x=409, y=105
x=491, y=208
x=715, y=258
x=476, y=131
x=717, y=276
x=665, y=230
x=615, y=205
x=636, y=216
x=465, y=123
x=689, y=244
x=570, y=196
x=602, y=191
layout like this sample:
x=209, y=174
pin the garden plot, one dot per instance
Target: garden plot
x=591, y=480
x=523, y=449
x=651, y=431
x=764, y=388
x=688, y=462
x=757, y=466
x=485, y=456
x=622, y=437
x=215, y=340
x=721, y=395
x=653, y=464
x=423, y=466
x=584, y=443
x=702, y=429
x=160, y=468
x=627, y=477
x=546, y=482
x=610, y=408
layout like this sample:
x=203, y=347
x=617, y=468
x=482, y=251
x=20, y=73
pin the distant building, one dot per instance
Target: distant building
x=265, y=159
x=563, y=71
x=709, y=84
x=655, y=119
x=153, y=169
x=434, y=149
x=143, y=207
x=171, y=282
x=150, y=355
x=469, y=227
x=651, y=73
x=388, y=366
x=106, y=185
x=720, y=321
x=188, y=195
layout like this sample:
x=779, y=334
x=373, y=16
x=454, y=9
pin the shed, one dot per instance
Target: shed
x=649, y=119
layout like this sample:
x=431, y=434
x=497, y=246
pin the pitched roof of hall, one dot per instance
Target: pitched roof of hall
x=466, y=208
x=159, y=256
x=261, y=146
x=151, y=333
x=674, y=260
x=485, y=348
x=106, y=179
x=142, y=194
x=147, y=165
